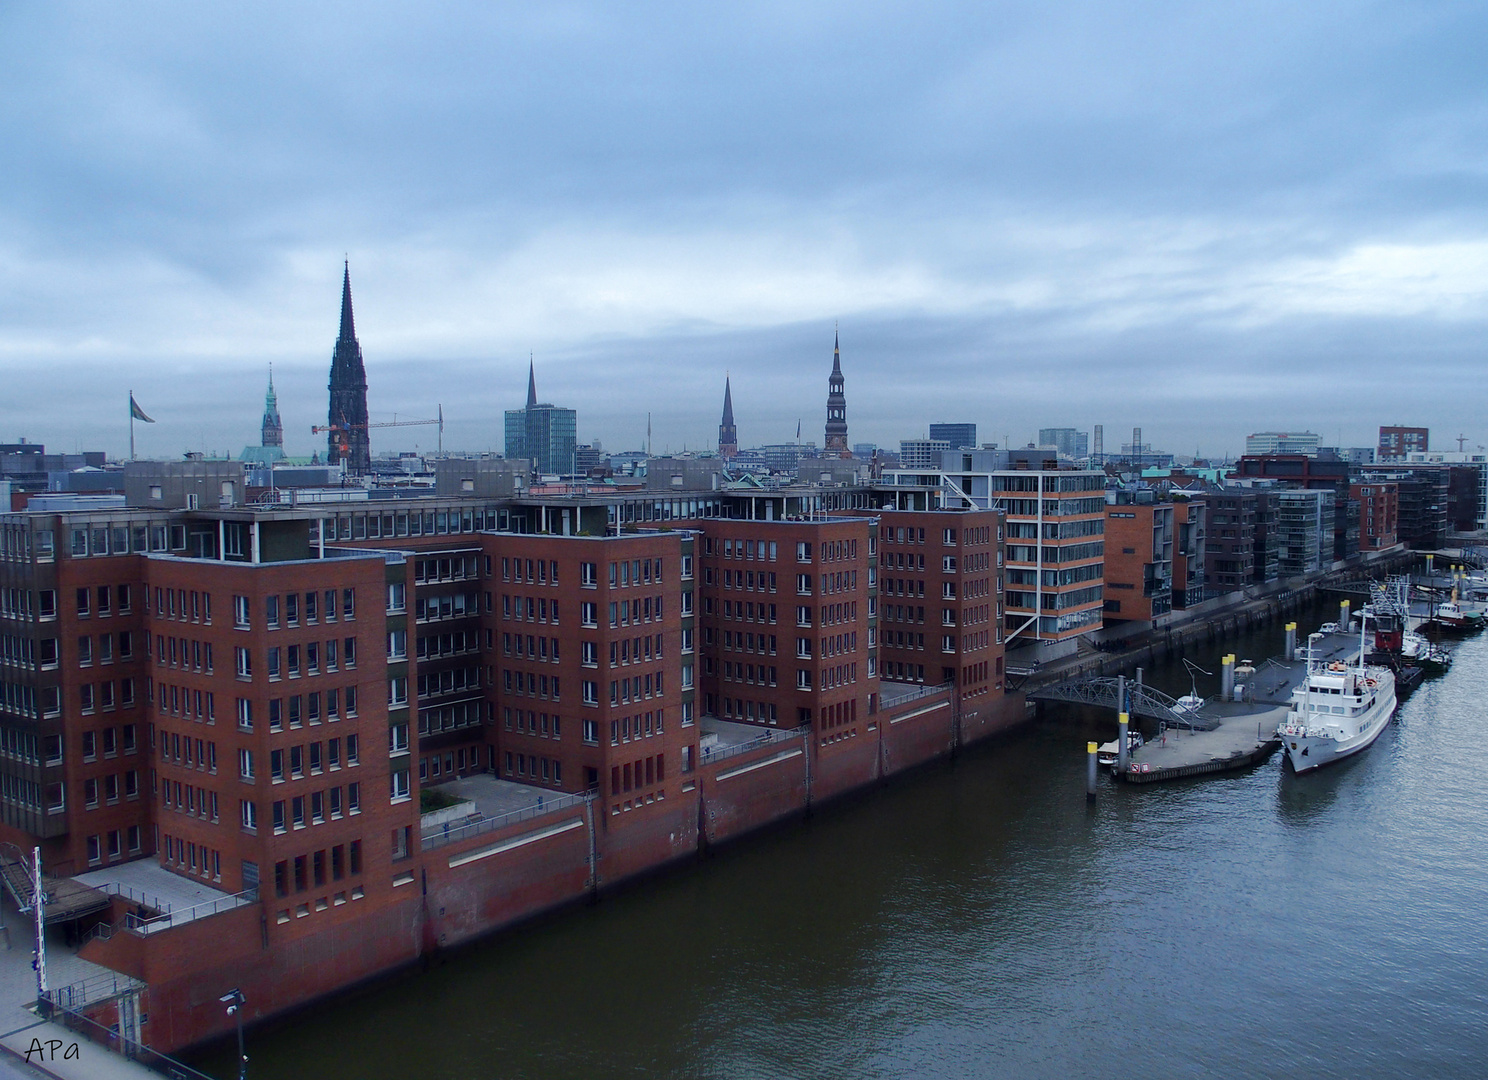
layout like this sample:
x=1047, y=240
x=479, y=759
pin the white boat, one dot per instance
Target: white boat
x=1107, y=753
x=1339, y=709
x=1450, y=613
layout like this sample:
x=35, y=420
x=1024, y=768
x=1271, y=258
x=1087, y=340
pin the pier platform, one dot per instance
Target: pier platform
x=1246, y=732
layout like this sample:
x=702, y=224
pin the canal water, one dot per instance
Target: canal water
x=978, y=919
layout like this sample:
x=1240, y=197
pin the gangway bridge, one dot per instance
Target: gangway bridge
x=1142, y=700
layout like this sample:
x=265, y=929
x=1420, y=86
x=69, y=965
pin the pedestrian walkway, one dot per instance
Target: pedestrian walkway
x=51, y=1050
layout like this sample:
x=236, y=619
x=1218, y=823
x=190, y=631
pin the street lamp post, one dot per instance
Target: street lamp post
x=233, y=999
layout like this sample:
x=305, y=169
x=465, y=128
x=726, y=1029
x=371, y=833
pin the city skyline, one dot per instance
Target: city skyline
x=1203, y=226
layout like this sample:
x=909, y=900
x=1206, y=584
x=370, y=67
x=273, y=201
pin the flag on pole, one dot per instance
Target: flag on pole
x=798, y=431
x=136, y=413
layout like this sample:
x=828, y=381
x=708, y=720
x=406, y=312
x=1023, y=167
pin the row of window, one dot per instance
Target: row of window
x=457, y=568
x=316, y=757
x=110, y=789
x=532, y=647
x=449, y=681
x=747, y=611
x=533, y=768
x=637, y=688
x=115, y=841
x=450, y=717
x=529, y=722
x=105, y=595
x=747, y=709
x=187, y=653
x=299, y=709
x=189, y=799
x=747, y=580
x=760, y=550
x=182, y=604
x=312, y=607
x=336, y=653
x=640, y=726
x=316, y=807
x=298, y=874
x=102, y=695
x=526, y=608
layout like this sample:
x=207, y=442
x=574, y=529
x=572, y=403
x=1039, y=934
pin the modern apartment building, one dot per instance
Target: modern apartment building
x=1139, y=556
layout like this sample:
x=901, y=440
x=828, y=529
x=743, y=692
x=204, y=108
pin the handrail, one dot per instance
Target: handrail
x=767, y=737
x=440, y=835
x=172, y=916
x=94, y=988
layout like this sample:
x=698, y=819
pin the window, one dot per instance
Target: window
x=397, y=644
x=271, y=612
x=590, y=651
x=589, y=614
x=398, y=784
x=240, y=612
x=245, y=764
x=248, y=814
x=348, y=603
x=244, y=662
x=591, y=692
x=397, y=599
x=398, y=690
x=588, y=574
x=245, y=714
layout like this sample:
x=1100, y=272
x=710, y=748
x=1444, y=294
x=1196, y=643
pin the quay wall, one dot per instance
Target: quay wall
x=476, y=885
x=460, y=891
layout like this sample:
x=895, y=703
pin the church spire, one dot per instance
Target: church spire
x=531, y=381
x=728, y=435
x=273, y=429
x=836, y=433
x=347, y=439
x=348, y=323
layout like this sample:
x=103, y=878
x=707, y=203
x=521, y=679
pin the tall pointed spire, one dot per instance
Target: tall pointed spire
x=348, y=322
x=347, y=440
x=836, y=433
x=728, y=435
x=273, y=429
x=531, y=381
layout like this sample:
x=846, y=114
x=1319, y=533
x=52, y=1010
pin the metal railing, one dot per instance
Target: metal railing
x=171, y=916
x=449, y=833
x=120, y=1044
x=765, y=738
x=93, y=989
x=165, y=915
x=890, y=698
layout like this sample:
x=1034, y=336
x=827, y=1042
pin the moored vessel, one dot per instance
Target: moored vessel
x=1339, y=709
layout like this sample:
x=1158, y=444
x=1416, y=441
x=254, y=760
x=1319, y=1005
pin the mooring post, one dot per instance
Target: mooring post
x=1090, y=772
x=1291, y=642
x=1343, y=615
x=1123, y=748
x=1227, y=677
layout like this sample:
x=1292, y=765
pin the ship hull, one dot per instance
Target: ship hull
x=1307, y=753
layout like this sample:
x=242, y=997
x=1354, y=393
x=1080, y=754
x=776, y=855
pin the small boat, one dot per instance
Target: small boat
x=1337, y=711
x=1451, y=613
x=1108, y=753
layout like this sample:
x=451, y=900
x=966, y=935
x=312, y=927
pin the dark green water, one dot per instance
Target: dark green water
x=979, y=920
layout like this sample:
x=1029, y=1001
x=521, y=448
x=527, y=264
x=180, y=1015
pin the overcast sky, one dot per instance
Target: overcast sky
x=1203, y=219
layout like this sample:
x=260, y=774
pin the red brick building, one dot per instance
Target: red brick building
x=254, y=699
x=1139, y=559
x=940, y=586
x=1379, y=514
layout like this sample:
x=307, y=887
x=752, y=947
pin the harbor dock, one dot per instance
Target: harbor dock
x=1243, y=732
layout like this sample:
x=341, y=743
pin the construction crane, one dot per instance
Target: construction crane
x=342, y=429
